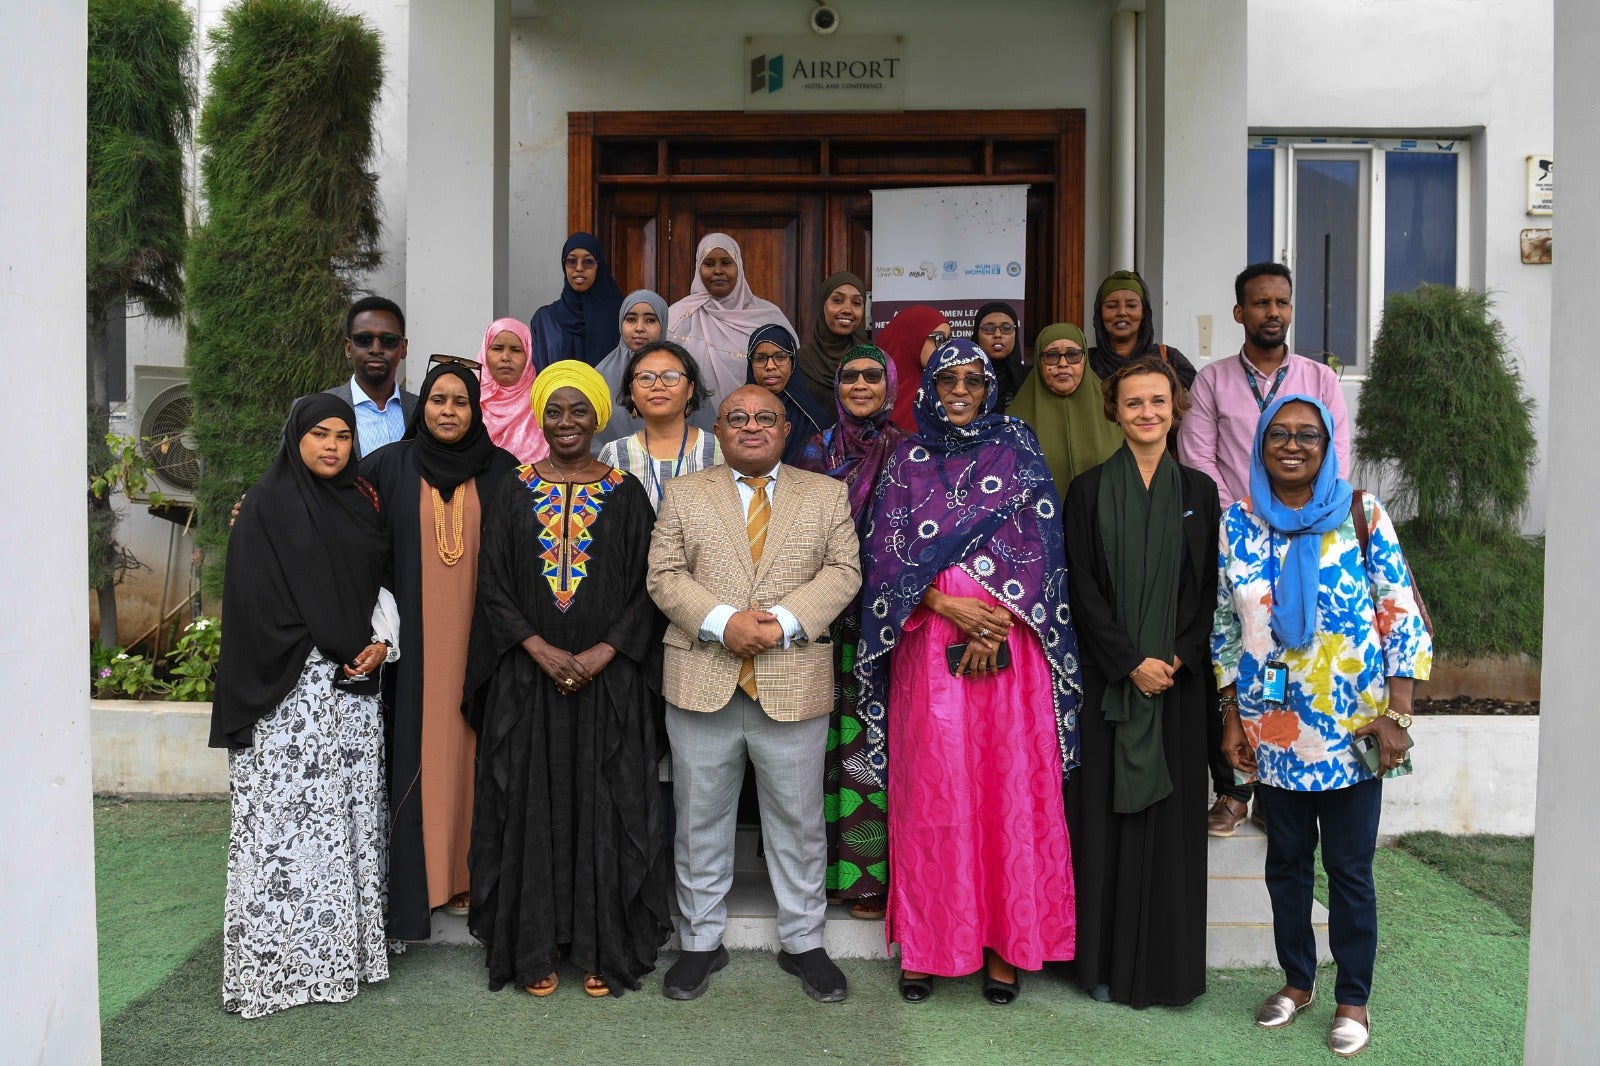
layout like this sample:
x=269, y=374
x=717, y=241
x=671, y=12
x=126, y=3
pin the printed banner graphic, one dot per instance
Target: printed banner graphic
x=954, y=248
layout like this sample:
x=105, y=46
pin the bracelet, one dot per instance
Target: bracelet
x=1227, y=703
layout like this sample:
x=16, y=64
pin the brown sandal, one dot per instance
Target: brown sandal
x=594, y=986
x=458, y=905
x=869, y=907
x=544, y=986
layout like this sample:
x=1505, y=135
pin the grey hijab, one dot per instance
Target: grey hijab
x=615, y=364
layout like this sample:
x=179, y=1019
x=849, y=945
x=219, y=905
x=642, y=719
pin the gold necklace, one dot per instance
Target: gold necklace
x=448, y=555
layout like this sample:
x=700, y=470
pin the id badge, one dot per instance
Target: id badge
x=1275, y=682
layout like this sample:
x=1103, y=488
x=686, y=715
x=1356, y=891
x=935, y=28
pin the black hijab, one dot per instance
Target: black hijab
x=305, y=560
x=445, y=466
x=1008, y=371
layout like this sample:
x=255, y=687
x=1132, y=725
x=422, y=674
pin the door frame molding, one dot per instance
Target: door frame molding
x=1064, y=127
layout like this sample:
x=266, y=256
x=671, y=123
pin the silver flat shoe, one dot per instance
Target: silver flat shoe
x=1348, y=1037
x=1278, y=1010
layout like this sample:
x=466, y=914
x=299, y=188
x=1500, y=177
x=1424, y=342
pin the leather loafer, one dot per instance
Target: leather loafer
x=822, y=980
x=690, y=976
x=1278, y=1010
x=1225, y=816
x=1348, y=1037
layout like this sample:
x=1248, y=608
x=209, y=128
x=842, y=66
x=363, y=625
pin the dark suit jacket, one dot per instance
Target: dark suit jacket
x=408, y=404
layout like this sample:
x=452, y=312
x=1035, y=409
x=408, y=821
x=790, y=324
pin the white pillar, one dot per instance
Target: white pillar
x=49, y=1006
x=1196, y=129
x=458, y=99
x=1563, y=978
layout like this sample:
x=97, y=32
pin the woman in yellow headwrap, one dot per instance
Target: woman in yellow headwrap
x=566, y=846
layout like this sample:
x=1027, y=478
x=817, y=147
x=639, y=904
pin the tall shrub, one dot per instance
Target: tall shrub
x=141, y=97
x=1443, y=412
x=291, y=225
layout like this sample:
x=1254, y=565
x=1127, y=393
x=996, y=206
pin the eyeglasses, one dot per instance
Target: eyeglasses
x=1308, y=439
x=573, y=262
x=439, y=359
x=390, y=341
x=872, y=375
x=1072, y=357
x=647, y=378
x=1005, y=329
x=948, y=381
x=740, y=419
x=938, y=338
x=775, y=358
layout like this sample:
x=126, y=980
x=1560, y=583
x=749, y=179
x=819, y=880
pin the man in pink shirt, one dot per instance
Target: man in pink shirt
x=1227, y=399
x=1230, y=393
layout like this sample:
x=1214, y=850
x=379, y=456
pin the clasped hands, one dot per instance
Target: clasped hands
x=985, y=626
x=1154, y=676
x=569, y=671
x=752, y=631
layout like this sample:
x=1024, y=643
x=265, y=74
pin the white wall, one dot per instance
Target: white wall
x=1478, y=67
x=689, y=55
x=49, y=1007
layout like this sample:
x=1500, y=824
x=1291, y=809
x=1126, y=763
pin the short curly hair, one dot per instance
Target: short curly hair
x=699, y=392
x=1149, y=364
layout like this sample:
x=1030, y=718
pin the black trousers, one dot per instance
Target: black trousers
x=1346, y=819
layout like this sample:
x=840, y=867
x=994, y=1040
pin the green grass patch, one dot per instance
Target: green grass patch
x=1495, y=868
x=160, y=870
x=1485, y=593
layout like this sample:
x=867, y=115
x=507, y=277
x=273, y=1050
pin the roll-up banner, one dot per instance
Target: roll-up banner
x=955, y=248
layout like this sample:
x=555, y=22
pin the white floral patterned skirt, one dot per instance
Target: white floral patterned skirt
x=307, y=864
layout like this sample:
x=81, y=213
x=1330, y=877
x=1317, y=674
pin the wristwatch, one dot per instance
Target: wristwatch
x=1401, y=720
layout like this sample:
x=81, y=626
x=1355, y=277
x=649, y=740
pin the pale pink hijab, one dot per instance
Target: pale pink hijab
x=717, y=332
x=507, y=409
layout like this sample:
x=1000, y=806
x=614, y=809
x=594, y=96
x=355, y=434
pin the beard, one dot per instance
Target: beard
x=371, y=375
x=1266, y=342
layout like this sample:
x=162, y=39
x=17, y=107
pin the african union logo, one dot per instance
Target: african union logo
x=766, y=73
x=1014, y=268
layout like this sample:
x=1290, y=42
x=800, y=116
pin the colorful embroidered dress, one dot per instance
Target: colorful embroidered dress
x=1337, y=682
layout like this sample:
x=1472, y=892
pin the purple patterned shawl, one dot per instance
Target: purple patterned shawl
x=979, y=497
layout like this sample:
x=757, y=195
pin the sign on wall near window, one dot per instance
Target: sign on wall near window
x=798, y=72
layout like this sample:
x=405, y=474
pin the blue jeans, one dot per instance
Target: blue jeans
x=1348, y=822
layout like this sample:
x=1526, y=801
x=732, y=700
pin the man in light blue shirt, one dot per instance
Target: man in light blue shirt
x=375, y=345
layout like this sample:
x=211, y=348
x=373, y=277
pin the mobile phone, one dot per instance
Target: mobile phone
x=1369, y=752
x=954, y=652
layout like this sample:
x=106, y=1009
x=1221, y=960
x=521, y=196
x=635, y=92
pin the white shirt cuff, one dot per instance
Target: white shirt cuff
x=716, y=622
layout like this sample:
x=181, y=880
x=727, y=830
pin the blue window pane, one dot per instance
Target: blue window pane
x=1258, y=244
x=1327, y=270
x=1420, y=242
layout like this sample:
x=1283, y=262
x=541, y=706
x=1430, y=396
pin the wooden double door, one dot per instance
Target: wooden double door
x=795, y=191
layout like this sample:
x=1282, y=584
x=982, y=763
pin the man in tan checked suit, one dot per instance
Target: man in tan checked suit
x=751, y=562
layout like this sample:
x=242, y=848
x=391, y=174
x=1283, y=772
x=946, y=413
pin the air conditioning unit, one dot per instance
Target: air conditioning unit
x=163, y=422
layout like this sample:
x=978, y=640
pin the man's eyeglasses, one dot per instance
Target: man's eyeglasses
x=948, y=380
x=1005, y=329
x=1072, y=357
x=872, y=375
x=1308, y=439
x=740, y=419
x=440, y=359
x=390, y=341
x=647, y=378
x=775, y=358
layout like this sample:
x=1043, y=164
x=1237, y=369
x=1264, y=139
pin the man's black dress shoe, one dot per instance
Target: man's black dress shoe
x=823, y=981
x=690, y=976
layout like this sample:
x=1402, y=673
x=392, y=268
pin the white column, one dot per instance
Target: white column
x=1563, y=978
x=49, y=1006
x=1196, y=126
x=458, y=96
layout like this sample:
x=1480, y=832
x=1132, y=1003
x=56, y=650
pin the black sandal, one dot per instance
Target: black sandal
x=915, y=989
x=1001, y=993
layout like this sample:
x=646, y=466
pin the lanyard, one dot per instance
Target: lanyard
x=1250, y=376
x=650, y=461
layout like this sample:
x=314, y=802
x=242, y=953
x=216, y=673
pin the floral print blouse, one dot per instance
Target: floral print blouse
x=1368, y=630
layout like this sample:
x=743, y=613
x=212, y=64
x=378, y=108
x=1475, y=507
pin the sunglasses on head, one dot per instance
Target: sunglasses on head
x=440, y=359
x=390, y=341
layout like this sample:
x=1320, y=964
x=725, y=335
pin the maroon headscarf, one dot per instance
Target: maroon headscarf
x=902, y=341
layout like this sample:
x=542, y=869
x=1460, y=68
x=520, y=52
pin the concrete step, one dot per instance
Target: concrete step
x=1238, y=910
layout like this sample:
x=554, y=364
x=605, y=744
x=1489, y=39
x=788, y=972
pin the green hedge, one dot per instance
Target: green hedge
x=291, y=227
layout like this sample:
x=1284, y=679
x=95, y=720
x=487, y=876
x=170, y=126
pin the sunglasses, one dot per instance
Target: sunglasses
x=938, y=338
x=390, y=341
x=973, y=382
x=1072, y=357
x=872, y=375
x=439, y=359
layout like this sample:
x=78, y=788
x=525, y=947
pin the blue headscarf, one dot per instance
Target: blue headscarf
x=1294, y=610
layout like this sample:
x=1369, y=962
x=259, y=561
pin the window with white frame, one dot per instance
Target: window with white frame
x=1356, y=219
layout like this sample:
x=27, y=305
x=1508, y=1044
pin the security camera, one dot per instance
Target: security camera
x=824, y=19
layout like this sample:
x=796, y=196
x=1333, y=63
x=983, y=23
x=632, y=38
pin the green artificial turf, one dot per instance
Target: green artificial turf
x=1451, y=986
x=1497, y=868
x=160, y=869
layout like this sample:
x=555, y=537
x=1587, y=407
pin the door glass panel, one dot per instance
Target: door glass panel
x=1258, y=243
x=1420, y=220
x=1327, y=268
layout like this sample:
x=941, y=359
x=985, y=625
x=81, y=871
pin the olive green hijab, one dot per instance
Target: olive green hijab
x=1073, y=432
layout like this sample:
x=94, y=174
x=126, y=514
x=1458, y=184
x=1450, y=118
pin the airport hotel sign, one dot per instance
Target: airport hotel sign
x=816, y=73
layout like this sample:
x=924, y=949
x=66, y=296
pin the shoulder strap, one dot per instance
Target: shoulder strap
x=1358, y=514
x=1165, y=358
